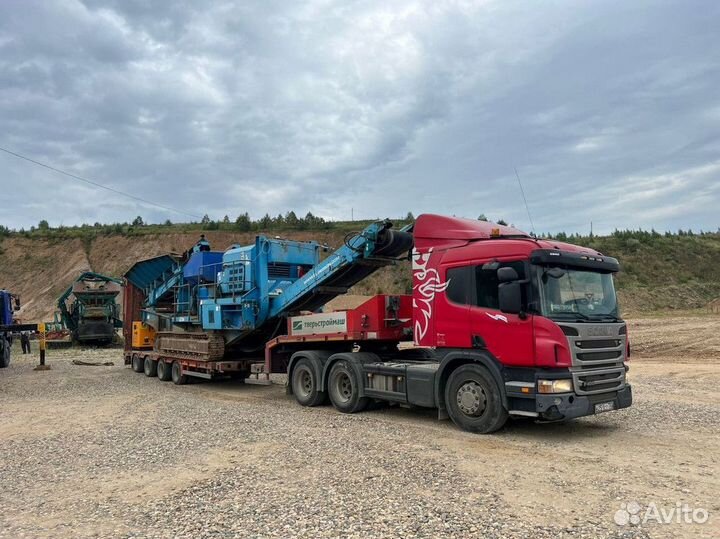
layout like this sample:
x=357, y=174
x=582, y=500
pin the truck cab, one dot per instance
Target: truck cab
x=541, y=315
x=502, y=324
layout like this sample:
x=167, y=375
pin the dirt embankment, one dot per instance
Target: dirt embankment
x=39, y=271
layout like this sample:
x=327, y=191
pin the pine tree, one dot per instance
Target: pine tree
x=243, y=222
x=266, y=222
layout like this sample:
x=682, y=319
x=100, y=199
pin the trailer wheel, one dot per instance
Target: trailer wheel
x=344, y=389
x=150, y=367
x=473, y=400
x=164, y=371
x=305, y=384
x=137, y=363
x=177, y=377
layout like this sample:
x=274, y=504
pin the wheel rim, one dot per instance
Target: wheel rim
x=343, y=387
x=471, y=399
x=304, y=383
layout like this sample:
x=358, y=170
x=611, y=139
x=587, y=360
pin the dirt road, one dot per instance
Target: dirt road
x=104, y=452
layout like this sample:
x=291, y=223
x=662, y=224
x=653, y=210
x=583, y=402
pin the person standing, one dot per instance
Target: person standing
x=25, y=342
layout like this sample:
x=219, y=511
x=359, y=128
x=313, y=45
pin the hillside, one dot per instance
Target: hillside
x=659, y=272
x=663, y=272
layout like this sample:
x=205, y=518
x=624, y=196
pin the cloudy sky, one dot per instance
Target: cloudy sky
x=610, y=111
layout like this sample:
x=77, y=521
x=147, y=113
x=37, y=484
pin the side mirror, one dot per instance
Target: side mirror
x=509, y=296
x=17, y=303
x=507, y=275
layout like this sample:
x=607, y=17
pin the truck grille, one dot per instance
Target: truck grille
x=603, y=343
x=598, y=355
x=597, y=352
x=593, y=381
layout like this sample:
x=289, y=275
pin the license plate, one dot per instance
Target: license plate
x=604, y=407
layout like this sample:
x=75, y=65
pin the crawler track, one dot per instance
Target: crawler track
x=198, y=346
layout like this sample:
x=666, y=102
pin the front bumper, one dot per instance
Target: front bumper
x=569, y=405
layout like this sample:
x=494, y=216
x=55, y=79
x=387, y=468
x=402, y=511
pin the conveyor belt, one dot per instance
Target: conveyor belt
x=390, y=245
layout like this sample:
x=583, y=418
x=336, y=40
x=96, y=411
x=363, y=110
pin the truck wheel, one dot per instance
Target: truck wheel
x=344, y=389
x=164, y=371
x=4, y=352
x=473, y=400
x=150, y=367
x=305, y=384
x=137, y=363
x=177, y=377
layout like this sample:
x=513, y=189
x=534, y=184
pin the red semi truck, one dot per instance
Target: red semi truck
x=499, y=324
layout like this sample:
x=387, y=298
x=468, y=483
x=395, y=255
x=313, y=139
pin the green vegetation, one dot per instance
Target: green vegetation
x=662, y=271
x=679, y=258
x=243, y=223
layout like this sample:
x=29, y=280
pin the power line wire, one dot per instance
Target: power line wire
x=96, y=184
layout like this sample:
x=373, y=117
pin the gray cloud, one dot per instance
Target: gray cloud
x=609, y=110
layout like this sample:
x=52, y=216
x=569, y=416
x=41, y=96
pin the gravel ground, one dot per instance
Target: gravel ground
x=693, y=337
x=104, y=452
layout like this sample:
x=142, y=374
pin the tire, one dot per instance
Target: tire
x=176, y=374
x=138, y=365
x=344, y=389
x=150, y=367
x=164, y=370
x=473, y=400
x=305, y=384
x=239, y=375
x=4, y=352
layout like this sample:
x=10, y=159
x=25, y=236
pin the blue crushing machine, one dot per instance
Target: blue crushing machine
x=213, y=305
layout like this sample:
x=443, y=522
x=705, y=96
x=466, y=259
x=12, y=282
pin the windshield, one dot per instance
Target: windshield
x=574, y=293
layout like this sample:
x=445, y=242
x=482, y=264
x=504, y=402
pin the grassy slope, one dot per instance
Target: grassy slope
x=664, y=272
x=658, y=272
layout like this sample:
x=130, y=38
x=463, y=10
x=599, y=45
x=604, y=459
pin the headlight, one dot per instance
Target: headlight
x=563, y=385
